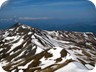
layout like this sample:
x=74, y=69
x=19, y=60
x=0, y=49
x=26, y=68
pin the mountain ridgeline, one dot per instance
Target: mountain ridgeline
x=27, y=49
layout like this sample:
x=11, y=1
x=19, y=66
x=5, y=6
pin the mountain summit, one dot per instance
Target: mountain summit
x=27, y=49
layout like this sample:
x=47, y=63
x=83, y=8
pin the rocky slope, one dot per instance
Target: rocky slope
x=27, y=49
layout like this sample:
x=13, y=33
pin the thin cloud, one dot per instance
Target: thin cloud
x=32, y=18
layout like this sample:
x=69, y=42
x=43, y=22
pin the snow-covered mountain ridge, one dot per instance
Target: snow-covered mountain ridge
x=27, y=49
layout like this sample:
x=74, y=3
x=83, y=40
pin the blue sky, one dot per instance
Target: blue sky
x=51, y=9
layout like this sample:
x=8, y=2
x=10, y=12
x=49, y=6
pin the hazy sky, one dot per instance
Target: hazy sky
x=55, y=9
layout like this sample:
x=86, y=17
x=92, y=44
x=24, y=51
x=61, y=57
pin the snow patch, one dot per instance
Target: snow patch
x=38, y=50
x=73, y=67
x=26, y=66
x=23, y=27
x=89, y=66
x=46, y=63
x=16, y=45
x=4, y=63
x=29, y=33
x=1, y=69
x=55, y=52
x=12, y=53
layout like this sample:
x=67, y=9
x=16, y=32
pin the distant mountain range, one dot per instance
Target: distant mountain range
x=27, y=49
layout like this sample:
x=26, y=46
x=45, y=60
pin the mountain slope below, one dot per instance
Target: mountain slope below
x=27, y=49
